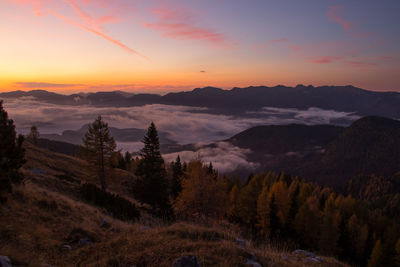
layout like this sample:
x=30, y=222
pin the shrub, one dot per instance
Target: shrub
x=120, y=207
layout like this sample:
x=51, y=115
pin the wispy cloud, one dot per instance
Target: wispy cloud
x=45, y=85
x=75, y=87
x=179, y=24
x=92, y=24
x=334, y=14
x=99, y=33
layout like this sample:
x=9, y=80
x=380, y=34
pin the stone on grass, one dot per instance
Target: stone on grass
x=5, y=261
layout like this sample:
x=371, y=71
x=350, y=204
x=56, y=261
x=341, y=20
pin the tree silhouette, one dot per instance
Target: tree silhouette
x=177, y=174
x=99, y=148
x=151, y=185
x=11, y=154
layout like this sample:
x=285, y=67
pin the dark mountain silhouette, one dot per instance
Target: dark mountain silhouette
x=326, y=154
x=120, y=135
x=239, y=100
x=278, y=139
x=371, y=145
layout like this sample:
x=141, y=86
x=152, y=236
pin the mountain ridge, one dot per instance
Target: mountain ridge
x=240, y=99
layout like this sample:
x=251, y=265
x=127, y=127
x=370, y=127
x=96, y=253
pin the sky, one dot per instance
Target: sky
x=173, y=45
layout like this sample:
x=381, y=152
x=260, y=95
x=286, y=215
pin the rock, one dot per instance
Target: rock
x=84, y=242
x=186, y=261
x=241, y=243
x=319, y=259
x=253, y=263
x=304, y=253
x=66, y=247
x=311, y=259
x=5, y=261
x=105, y=223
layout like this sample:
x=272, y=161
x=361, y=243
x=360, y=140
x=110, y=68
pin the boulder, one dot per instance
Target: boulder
x=319, y=259
x=5, y=261
x=253, y=263
x=66, y=247
x=304, y=253
x=186, y=261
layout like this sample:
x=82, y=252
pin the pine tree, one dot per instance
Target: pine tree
x=376, y=256
x=11, y=154
x=151, y=185
x=177, y=174
x=99, y=148
x=33, y=135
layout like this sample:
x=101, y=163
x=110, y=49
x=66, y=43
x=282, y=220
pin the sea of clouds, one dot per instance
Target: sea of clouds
x=182, y=124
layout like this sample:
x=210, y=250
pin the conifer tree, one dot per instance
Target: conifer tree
x=328, y=239
x=11, y=154
x=99, y=147
x=376, y=256
x=233, y=212
x=248, y=198
x=151, y=185
x=177, y=175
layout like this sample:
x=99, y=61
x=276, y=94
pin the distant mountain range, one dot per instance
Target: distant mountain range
x=240, y=100
x=120, y=135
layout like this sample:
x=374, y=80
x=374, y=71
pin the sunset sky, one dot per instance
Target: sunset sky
x=160, y=46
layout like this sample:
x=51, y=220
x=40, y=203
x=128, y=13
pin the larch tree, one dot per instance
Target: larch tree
x=99, y=147
x=203, y=196
x=11, y=154
x=375, y=259
x=151, y=185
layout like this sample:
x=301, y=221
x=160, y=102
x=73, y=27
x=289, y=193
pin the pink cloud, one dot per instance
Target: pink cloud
x=325, y=59
x=99, y=33
x=90, y=23
x=335, y=16
x=295, y=48
x=355, y=63
x=178, y=24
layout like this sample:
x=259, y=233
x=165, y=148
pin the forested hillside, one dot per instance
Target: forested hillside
x=109, y=209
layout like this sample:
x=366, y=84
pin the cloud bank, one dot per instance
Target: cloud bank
x=182, y=124
x=224, y=156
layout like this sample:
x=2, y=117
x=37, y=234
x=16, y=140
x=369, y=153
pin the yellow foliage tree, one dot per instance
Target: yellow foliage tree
x=202, y=196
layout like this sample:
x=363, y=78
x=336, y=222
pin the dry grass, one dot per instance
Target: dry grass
x=42, y=214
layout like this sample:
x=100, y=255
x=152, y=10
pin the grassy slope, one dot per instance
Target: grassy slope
x=41, y=214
